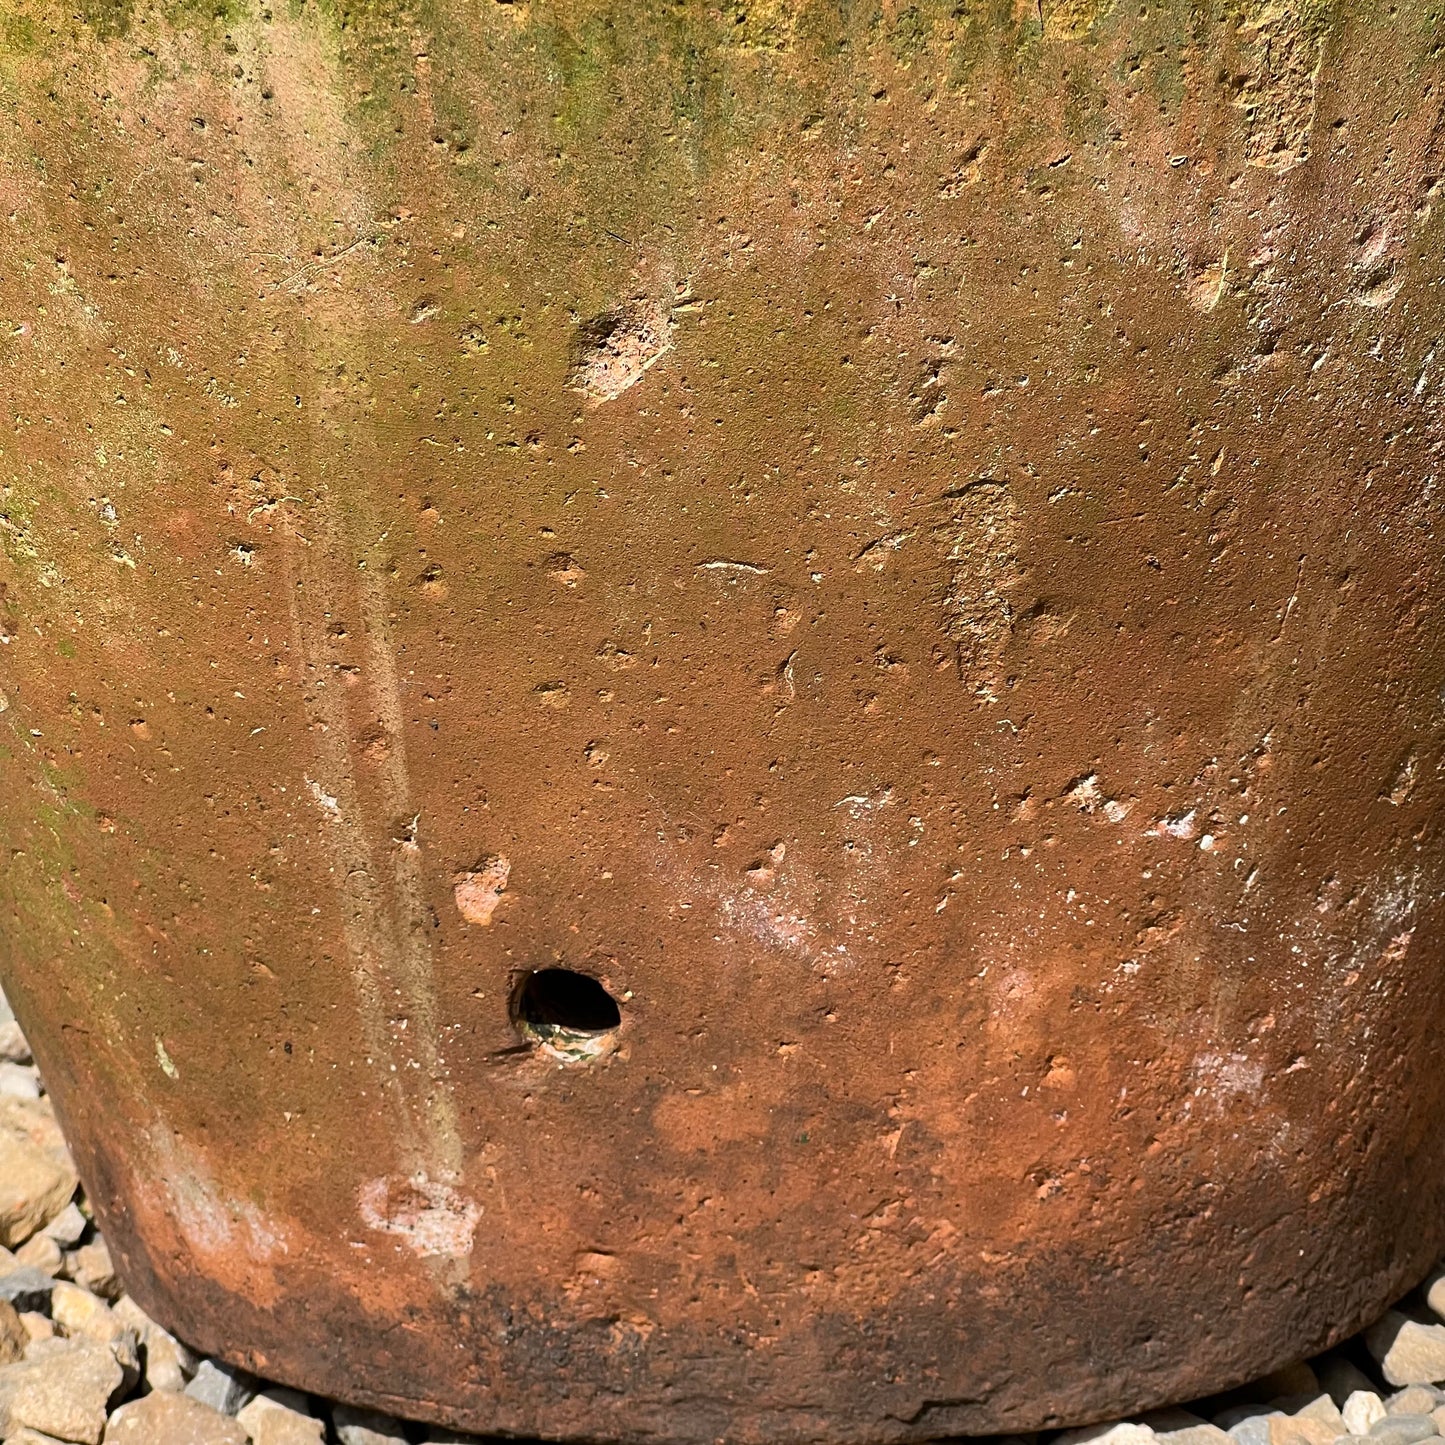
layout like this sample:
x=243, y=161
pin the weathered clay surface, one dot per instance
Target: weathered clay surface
x=900, y=538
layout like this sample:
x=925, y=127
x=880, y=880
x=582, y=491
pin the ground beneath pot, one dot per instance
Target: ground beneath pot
x=80, y=1362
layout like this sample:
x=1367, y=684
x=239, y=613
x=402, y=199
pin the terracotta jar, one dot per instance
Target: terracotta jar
x=725, y=723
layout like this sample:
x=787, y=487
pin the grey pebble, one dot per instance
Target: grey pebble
x=1401, y=1430
x=365, y=1427
x=224, y=1388
x=1252, y=1429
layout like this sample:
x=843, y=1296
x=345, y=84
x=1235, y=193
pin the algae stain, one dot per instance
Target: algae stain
x=110, y=19
x=18, y=35
x=1074, y=19
x=760, y=24
x=113, y=19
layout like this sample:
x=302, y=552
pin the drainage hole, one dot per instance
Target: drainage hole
x=570, y=1014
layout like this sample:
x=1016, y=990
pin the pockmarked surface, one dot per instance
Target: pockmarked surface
x=899, y=541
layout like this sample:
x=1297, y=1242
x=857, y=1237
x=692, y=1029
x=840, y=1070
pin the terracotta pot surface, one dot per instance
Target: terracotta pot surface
x=900, y=540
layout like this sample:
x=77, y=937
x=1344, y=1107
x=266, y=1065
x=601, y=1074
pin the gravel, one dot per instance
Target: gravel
x=282, y=1417
x=365, y=1427
x=1409, y=1351
x=34, y=1185
x=61, y=1388
x=224, y=1388
x=166, y=1418
x=1362, y=1410
x=82, y=1364
x=1402, y=1429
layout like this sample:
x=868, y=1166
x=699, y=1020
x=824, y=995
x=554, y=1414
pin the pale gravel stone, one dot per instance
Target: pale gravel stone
x=1361, y=1410
x=68, y=1227
x=222, y=1387
x=170, y=1419
x=1302, y=1430
x=19, y=1081
x=1293, y=1404
x=34, y=1185
x=61, y=1388
x=78, y=1314
x=32, y=1437
x=42, y=1253
x=37, y=1325
x=90, y=1267
x=1201, y=1434
x=168, y=1364
x=1409, y=1353
x=1124, y=1433
x=1434, y=1288
x=280, y=1417
x=1413, y=1400
x=1265, y=1426
x=1182, y=1427
x=365, y=1427
x=14, y=1337
x=34, y=1120
x=1323, y=1409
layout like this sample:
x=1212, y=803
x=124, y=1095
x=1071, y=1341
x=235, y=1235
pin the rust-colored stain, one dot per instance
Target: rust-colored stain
x=725, y=723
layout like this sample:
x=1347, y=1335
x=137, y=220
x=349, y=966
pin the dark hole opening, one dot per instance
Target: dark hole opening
x=558, y=998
